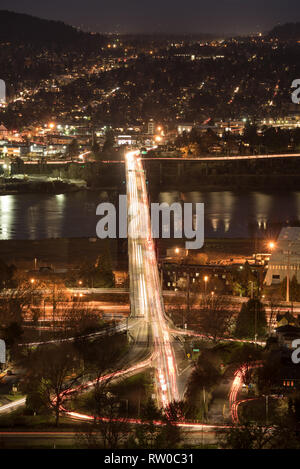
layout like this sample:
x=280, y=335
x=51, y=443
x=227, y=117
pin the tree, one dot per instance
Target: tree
x=201, y=383
x=101, y=355
x=274, y=310
x=251, y=321
x=109, y=142
x=6, y=275
x=110, y=427
x=55, y=371
x=270, y=375
x=12, y=333
x=100, y=274
x=78, y=319
x=95, y=148
x=73, y=148
x=253, y=436
x=17, y=304
x=250, y=135
x=246, y=356
x=103, y=274
x=215, y=316
x=243, y=281
x=150, y=434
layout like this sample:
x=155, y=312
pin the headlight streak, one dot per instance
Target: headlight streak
x=146, y=301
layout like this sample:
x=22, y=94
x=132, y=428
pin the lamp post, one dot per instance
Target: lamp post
x=272, y=246
x=205, y=278
x=288, y=277
x=187, y=301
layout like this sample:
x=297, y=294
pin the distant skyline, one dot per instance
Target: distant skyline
x=164, y=16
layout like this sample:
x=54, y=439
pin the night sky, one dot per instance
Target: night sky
x=121, y=16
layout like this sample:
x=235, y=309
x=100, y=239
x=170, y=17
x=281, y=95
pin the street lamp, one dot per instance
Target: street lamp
x=288, y=274
x=205, y=278
x=271, y=245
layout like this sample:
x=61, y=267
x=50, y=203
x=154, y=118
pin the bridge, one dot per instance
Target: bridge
x=212, y=158
x=226, y=158
x=145, y=290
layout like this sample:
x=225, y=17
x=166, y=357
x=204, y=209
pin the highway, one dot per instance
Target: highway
x=145, y=292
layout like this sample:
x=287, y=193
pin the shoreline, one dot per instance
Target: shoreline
x=239, y=183
x=62, y=251
x=55, y=187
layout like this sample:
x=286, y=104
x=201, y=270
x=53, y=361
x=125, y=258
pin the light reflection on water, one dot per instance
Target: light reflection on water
x=227, y=214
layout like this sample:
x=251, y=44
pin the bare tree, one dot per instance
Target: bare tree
x=110, y=421
x=274, y=310
x=77, y=318
x=215, y=316
x=16, y=303
x=101, y=359
x=56, y=370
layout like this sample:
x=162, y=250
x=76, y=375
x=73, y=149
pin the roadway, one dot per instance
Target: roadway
x=226, y=158
x=145, y=291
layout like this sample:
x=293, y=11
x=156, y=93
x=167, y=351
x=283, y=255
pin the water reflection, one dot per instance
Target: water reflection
x=227, y=214
x=6, y=209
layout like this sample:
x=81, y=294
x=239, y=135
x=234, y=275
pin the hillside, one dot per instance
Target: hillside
x=26, y=29
x=286, y=32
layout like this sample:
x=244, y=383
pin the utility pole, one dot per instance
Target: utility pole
x=288, y=277
x=53, y=305
x=255, y=323
x=187, y=300
x=251, y=290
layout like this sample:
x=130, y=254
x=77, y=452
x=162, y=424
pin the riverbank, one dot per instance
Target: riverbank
x=71, y=251
x=55, y=252
x=39, y=186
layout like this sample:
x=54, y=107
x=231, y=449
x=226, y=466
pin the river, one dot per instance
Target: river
x=227, y=214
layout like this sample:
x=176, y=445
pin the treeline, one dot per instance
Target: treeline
x=22, y=28
x=288, y=31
